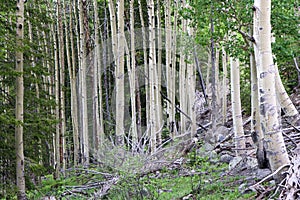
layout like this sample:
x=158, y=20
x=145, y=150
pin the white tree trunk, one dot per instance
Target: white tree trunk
x=97, y=88
x=132, y=79
x=152, y=76
x=119, y=75
x=224, y=98
x=269, y=114
x=238, y=129
x=82, y=88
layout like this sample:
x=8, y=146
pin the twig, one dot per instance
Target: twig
x=269, y=176
x=290, y=139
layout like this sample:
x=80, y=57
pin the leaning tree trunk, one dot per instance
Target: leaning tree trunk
x=269, y=113
x=285, y=102
x=238, y=129
x=19, y=143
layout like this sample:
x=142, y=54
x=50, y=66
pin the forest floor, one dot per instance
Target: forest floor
x=196, y=169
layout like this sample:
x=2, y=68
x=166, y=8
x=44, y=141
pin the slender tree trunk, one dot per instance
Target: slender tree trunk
x=146, y=66
x=182, y=79
x=169, y=70
x=191, y=84
x=97, y=88
x=19, y=142
x=152, y=76
x=62, y=122
x=159, y=116
x=132, y=79
x=256, y=131
x=214, y=113
x=74, y=98
x=236, y=107
x=56, y=93
x=285, y=102
x=269, y=113
x=83, y=88
x=119, y=75
x=104, y=58
x=224, y=98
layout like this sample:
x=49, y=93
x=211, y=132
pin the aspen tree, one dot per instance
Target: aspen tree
x=98, y=131
x=224, y=98
x=214, y=105
x=61, y=48
x=104, y=58
x=72, y=76
x=19, y=142
x=56, y=94
x=284, y=100
x=119, y=74
x=82, y=88
x=256, y=131
x=271, y=126
x=132, y=79
x=159, y=114
x=173, y=77
x=191, y=83
x=169, y=70
x=238, y=129
x=182, y=76
x=145, y=64
x=152, y=76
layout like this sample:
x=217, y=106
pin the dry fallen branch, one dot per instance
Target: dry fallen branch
x=253, y=187
x=292, y=184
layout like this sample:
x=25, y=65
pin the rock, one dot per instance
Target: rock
x=209, y=137
x=242, y=187
x=220, y=137
x=226, y=158
x=262, y=173
x=220, y=133
x=243, y=163
x=234, y=162
x=251, y=162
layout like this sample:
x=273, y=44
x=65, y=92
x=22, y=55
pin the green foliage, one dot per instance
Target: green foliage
x=38, y=119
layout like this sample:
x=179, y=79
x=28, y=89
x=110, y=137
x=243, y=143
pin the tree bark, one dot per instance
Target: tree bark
x=132, y=80
x=119, y=75
x=238, y=129
x=82, y=87
x=224, y=98
x=269, y=113
x=19, y=142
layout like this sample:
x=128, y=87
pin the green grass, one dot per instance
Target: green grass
x=208, y=181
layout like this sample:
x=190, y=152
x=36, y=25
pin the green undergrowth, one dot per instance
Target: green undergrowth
x=197, y=178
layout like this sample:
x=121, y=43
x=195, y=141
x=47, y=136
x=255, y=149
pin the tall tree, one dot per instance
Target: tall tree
x=19, y=143
x=152, y=77
x=132, y=79
x=269, y=113
x=119, y=74
x=82, y=85
x=236, y=107
x=97, y=87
